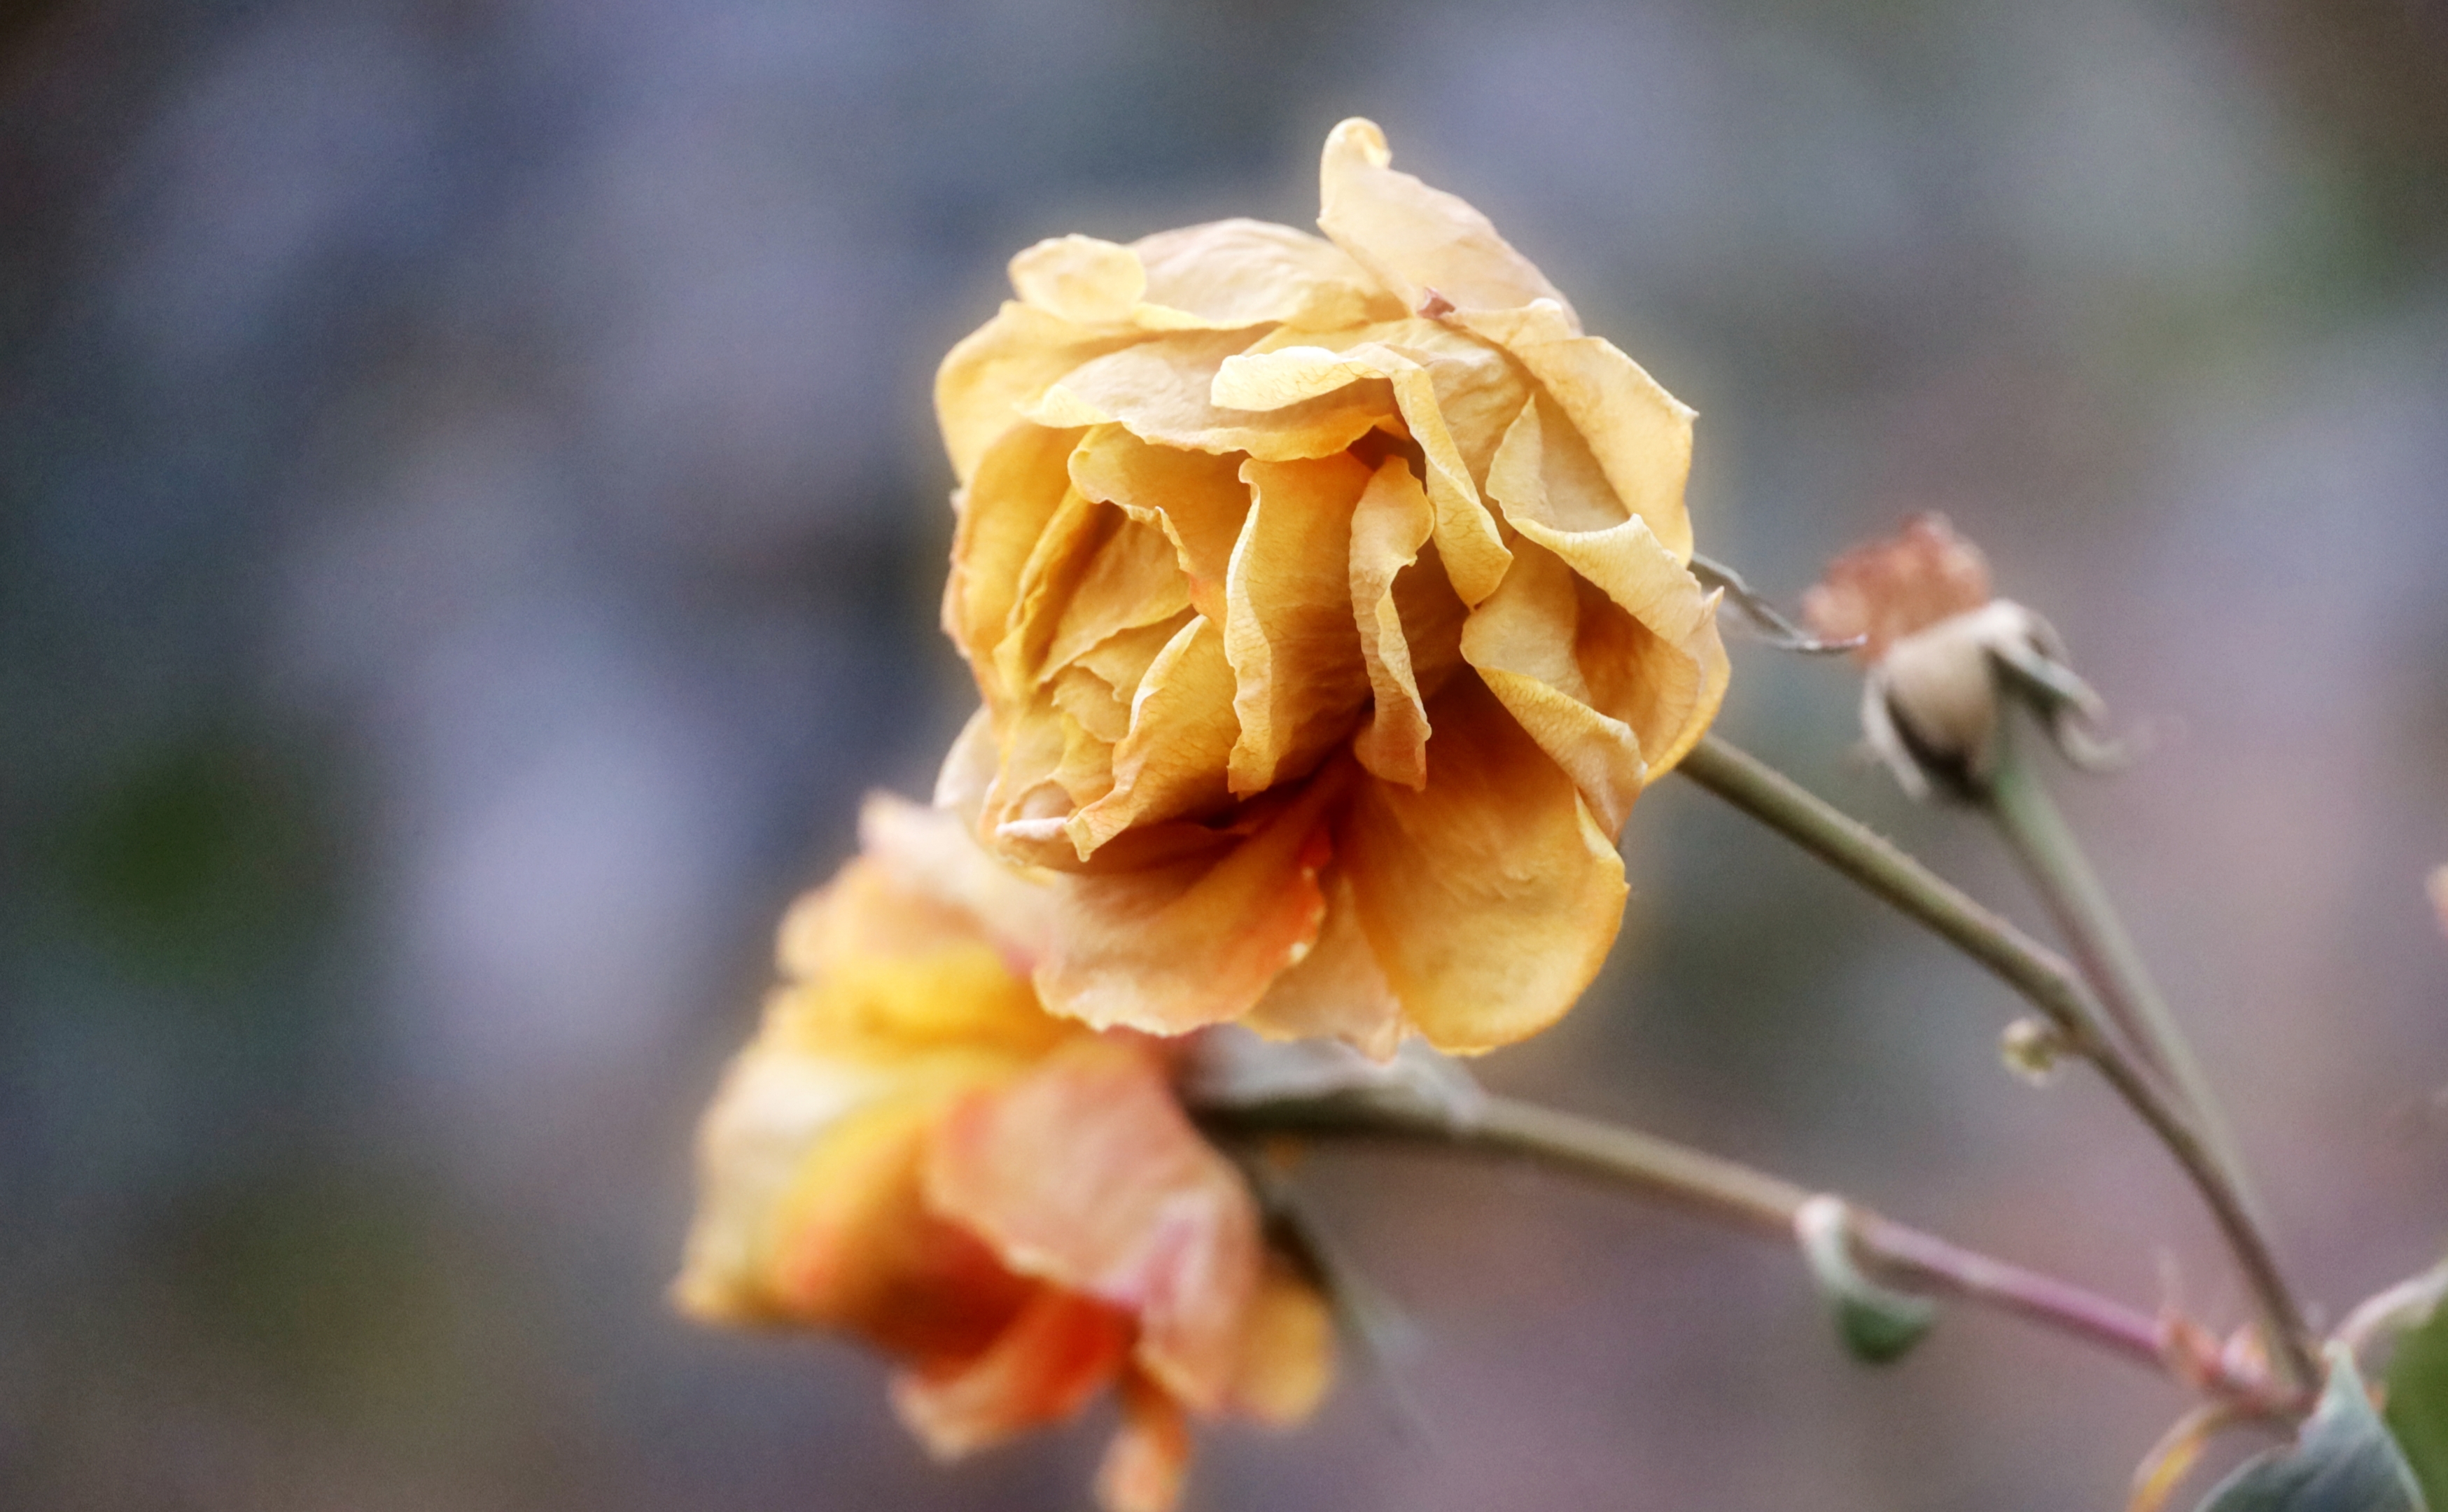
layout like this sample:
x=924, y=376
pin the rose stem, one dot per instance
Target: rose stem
x=1730, y=1193
x=2043, y=979
x=2017, y=802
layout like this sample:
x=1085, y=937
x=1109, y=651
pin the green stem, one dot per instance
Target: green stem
x=2044, y=977
x=1726, y=1192
x=2018, y=801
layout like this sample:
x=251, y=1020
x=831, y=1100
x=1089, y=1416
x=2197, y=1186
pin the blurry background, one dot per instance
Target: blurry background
x=470, y=526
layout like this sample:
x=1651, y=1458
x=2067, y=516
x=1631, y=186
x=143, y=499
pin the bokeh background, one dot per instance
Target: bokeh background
x=470, y=529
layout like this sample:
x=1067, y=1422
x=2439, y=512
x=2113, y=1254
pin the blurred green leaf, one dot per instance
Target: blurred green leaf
x=2418, y=1403
x=2342, y=1460
x=1877, y=1325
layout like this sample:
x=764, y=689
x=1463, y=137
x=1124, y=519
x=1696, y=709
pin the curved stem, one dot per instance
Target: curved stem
x=2017, y=802
x=1730, y=1193
x=2044, y=979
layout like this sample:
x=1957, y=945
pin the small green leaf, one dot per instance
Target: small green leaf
x=2342, y=1460
x=1877, y=1325
x=2417, y=1402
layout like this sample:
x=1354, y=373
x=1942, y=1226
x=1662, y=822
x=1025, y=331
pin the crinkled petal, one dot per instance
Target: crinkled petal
x=1298, y=673
x=1391, y=522
x=1003, y=368
x=1070, y=545
x=1174, y=761
x=1474, y=554
x=1196, y=498
x=1133, y=580
x=1337, y=990
x=1491, y=896
x=1148, y=1460
x=1171, y=948
x=1415, y=238
x=1020, y=484
x=1640, y=435
x=1523, y=641
x=1234, y=274
x=1663, y=675
x=1160, y=388
x=1061, y=1351
x=1086, y=1174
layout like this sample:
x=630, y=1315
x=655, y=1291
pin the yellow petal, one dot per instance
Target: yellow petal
x=1049, y=586
x=1173, y=762
x=1057, y=1353
x=969, y=769
x=1391, y=522
x=1132, y=579
x=1159, y=389
x=1020, y=484
x=1003, y=368
x=1196, y=498
x=1169, y=947
x=1524, y=641
x=1234, y=274
x=1297, y=377
x=1080, y=279
x=1086, y=1174
x=1491, y=896
x=1288, y=632
x=1337, y=990
x=1413, y=237
x=1287, y=1348
x=1640, y=435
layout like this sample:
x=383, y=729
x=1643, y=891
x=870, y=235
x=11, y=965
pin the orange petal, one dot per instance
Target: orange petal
x=1159, y=389
x=1287, y=1348
x=1058, y=1352
x=810, y=1206
x=1074, y=537
x=1639, y=435
x=1146, y=1464
x=1232, y=275
x=1196, y=499
x=1171, y=947
x=1085, y=1174
x=1388, y=526
x=1297, y=377
x=1173, y=761
x=1491, y=896
x=1298, y=674
x=1525, y=641
x=1337, y=990
x=1413, y=237
x=1003, y=368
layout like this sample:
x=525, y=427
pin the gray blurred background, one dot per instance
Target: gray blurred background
x=469, y=528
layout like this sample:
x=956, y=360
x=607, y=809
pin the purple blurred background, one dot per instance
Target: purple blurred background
x=469, y=528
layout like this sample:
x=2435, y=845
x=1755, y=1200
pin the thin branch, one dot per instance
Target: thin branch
x=2017, y=802
x=1734, y=1195
x=2044, y=979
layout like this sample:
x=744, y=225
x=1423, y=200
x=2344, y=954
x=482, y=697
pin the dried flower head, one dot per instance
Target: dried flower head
x=1015, y=1207
x=1941, y=653
x=1886, y=590
x=1330, y=607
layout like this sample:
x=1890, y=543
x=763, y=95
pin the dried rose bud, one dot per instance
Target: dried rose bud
x=1940, y=651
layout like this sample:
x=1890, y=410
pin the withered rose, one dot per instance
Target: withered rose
x=1015, y=1207
x=1329, y=602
